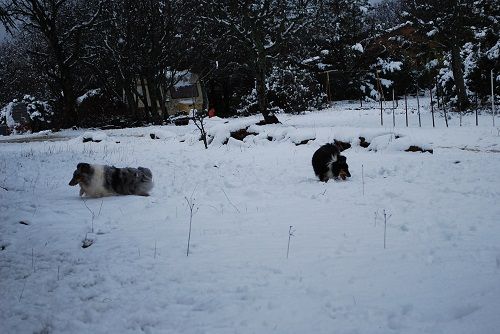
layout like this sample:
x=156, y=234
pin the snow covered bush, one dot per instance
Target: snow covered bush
x=97, y=109
x=292, y=90
x=289, y=90
x=26, y=115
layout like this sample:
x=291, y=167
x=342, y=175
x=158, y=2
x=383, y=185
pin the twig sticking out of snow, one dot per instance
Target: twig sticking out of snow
x=386, y=217
x=234, y=206
x=191, y=205
x=290, y=235
x=22, y=291
x=92, y=212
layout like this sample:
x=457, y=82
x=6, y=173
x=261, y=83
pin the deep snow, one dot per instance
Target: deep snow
x=439, y=272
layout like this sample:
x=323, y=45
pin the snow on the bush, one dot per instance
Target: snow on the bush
x=90, y=93
x=438, y=214
x=358, y=47
x=388, y=65
x=6, y=114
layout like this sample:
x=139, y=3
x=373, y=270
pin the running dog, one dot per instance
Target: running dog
x=328, y=163
x=102, y=180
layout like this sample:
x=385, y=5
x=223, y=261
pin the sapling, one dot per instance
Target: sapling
x=191, y=205
x=199, y=120
x=92, y=213
x=290, y=235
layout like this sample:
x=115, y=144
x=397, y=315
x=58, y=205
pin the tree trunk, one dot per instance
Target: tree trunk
x=132, y=106
x=154, y=100
x=69, y=116
x=144, y=99
x=458, y=75
x=269, y=118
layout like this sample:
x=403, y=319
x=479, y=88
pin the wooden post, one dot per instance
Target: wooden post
x=381, y=114
x=493, y=97
x=460, y=111
x=432, y=110
x=380, y=92
x=393, y=110
x=477, y=121
x=437, y=93
x=406, y=109
x=328, y=86
x=418, y=110
x=445, y=115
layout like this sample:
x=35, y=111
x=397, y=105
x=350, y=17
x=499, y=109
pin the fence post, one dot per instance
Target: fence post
x=418, y=110
x=406, y=109
x=432, y=109
x=492, y=97
x=393, y=110
x=437, y=93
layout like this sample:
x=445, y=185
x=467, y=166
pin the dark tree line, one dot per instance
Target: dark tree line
x=250, y=56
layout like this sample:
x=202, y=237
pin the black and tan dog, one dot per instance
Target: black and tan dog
x=102, y=180
x=328, y=163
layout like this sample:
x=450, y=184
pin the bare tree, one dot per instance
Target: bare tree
x=61, y=24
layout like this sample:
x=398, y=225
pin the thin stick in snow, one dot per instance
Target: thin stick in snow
x=22, y=291
x=92, y=213
x=290, y=235
x=190, y=203
x=234, y=206
x=386, y=217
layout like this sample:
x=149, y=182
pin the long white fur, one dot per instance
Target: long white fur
x=96, y=187
x=329, y=164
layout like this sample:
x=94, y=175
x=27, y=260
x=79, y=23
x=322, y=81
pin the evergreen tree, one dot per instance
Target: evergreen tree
x=449, y=23
x=260, y=29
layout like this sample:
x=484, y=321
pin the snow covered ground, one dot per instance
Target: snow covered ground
x=439, y=271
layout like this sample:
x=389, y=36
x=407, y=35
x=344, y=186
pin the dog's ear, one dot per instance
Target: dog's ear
x=342, y=159
x=83, y=167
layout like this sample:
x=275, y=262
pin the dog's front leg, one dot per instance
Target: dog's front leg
x=82, y=192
